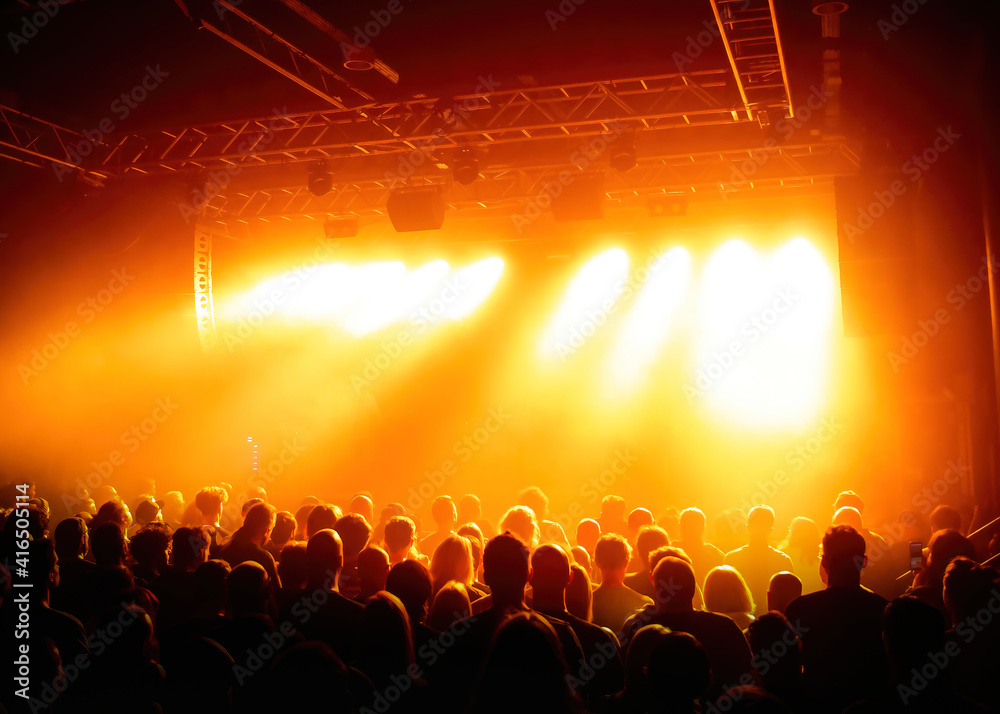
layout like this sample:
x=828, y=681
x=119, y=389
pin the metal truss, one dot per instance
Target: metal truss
x=487, y=117
x=29, y=140
x=749, y=29
x=702, y=176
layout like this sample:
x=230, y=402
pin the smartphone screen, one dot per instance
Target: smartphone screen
x=916, y=556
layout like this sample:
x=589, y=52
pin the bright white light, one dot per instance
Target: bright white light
x=586, y=305
x=648, y=322
x=397, y=301
x=762, y=359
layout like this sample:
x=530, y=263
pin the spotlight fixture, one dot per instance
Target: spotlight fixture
x=359, y=59
x=622, y=153
x=465, y=168
x=320, y=180
x=667, y=205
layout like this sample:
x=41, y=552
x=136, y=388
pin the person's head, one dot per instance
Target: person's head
x=674, y=584
x=211, y=586
x=326, y=559
x=579, y=594
x=400, y=532
x=258, y=522
x=320, y=518
x=151, y=546
x=760, y=523
x=679, y=671
x=113, y=512
x=249, y=588
x=535, y=499
x=71, y=538
x=911, y=629
x=550, y=571
x=612, y=554
x=470, y=509
x=967, y=588
x=692, y=525
x=773, y=640
x=668, y=551
x=848, y=516
x=43, y=572
x=588, y=532
x=373, y=567
x=945, y=546
x=385, y=640
x=782, y=589
x=452, y=560
x=638, y=518
x=363, y=506
x=450, y=604
x=726, y=591
x=637, y=664
x=172, y=505
x=945, y=517
x=354, y=533
x=411, y=583
x=526, y=650
x=248, y=504
x=649, y=539
x=284, y=528
x=476, y=542
x=579, y=554
x=505, y=569
x=848, y=499
x=107, y=542
x=803, y=538
x=209, y=503
x=444, y=513
x=147, y=511
x=293, y=568
x=520, y=521
x=843, y=556
x=613, y=508
x=302, y=520
x=189, y=547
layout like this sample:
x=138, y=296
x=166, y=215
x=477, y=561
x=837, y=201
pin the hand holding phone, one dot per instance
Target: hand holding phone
x=916, y=556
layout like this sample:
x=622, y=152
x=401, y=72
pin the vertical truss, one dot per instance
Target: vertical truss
x=749, y=30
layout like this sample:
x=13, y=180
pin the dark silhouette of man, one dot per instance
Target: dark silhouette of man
x=843, y=660
x=757, y=561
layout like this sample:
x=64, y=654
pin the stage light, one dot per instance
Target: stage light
x=621, y=153
x=337, y=228
x=667, y=205
x=766, y=324
x=648, y=323
x=465, y=167
x=586, y=304
x=320, y=180
x=471, y=285
x=398, y=301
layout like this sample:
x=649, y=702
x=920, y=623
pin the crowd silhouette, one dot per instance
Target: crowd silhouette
x=200, y=605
